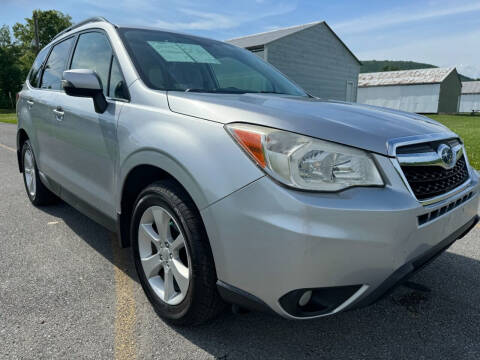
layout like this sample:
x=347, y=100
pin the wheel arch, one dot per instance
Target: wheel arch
x=22, y=136
x=136, y=175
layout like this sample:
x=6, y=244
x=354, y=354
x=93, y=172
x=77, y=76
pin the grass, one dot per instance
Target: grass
x=468, y=127
x=8, y=116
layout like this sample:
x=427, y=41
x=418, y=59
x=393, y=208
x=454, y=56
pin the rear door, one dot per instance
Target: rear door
x=87, y=144
x=28, y=113
x=42, y=104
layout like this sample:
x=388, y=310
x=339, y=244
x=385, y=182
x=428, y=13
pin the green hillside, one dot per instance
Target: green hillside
x=392, y=65
x=389, y=65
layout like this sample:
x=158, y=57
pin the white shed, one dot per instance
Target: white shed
x=470, y=99
x=422, y=91
x=312, y=55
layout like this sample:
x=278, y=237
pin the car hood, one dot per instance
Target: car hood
x=361, y=126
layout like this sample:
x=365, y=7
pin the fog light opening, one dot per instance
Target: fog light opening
x=305, y=298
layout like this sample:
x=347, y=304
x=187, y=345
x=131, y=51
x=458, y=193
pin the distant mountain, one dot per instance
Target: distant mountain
x=465, y=78
x=391, y=65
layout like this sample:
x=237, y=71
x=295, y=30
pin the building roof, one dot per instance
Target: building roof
x=471, y=87
x=269, y=36
x=260, y=39
x=404, y=77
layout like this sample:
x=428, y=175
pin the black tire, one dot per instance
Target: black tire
x=202, y=301
x=42, y=195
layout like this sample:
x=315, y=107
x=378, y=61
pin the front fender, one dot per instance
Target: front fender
x=198, y=153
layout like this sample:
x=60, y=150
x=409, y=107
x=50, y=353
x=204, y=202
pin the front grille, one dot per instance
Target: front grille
x=430, y=181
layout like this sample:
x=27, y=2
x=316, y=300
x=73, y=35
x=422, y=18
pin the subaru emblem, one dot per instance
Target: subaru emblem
x=445, y=153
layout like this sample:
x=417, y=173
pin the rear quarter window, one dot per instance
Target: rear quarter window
x=35, y=71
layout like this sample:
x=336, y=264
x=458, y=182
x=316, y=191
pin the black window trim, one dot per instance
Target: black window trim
x=114, y=57
x=114, y=54
x=110, y=73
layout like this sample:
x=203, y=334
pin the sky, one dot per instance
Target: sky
x=438, y=32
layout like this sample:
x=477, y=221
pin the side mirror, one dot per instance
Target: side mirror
x=85, y=83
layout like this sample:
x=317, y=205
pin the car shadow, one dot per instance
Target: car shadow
x=442, y=323
x=96, y=236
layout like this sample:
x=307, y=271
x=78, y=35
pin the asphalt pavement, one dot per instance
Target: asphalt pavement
x=68, y=291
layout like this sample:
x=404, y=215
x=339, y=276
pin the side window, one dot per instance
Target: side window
x=35, y=72
x=117, y=88
x=93, y=52
x=52, y=75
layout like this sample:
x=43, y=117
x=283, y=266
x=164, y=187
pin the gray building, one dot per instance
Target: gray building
x=421, y=91
x=311, y=55
x=470, y=99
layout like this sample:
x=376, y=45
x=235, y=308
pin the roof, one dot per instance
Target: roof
x=471, y=87
x=260, y=39
x=81, y=23
x=269, y=36
x=404, y=77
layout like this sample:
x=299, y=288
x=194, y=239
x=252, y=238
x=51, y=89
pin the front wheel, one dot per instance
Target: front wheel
x=173, y=257
x=37, y=192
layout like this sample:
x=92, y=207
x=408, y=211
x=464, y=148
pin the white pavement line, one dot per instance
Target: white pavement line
x=125, y=317
x=7, y=148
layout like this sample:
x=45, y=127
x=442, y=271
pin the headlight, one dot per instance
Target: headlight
x=304, y=162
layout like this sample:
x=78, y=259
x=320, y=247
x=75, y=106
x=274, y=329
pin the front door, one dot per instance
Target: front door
x=87, y=140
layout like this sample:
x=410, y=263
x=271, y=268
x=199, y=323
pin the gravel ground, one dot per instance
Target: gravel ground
x=59, y=288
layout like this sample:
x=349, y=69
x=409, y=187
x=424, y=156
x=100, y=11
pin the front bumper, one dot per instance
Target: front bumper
x=269, y=241
x=414, y=265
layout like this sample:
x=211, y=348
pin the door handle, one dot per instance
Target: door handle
x=30, y=103
x=58, y=111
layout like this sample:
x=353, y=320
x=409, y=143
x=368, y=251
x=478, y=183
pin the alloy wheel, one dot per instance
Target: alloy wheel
x=164, y=255
x=29, y=171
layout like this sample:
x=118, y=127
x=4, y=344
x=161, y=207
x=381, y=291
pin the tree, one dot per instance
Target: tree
x=10, y=71
x=390, y=68
x=5, y=36
x=16, y=57
x=50, y=23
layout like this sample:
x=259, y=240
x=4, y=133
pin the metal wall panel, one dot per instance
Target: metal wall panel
x=413, y=98
x=469, y=102
x=317, y=61
x=450, y=91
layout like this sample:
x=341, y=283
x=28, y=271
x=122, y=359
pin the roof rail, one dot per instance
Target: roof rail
x=81, y=23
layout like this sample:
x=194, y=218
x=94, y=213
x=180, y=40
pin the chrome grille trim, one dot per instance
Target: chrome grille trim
x=393, y=144
x=428, y=158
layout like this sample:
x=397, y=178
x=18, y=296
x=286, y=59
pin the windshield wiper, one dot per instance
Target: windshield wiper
x=232, y=90
x=268, y=92
x=218, y=91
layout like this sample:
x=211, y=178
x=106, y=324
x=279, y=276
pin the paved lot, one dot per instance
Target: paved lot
x=68, y=291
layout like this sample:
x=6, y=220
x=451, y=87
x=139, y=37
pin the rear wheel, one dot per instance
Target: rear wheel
x=37, y=192
x=173, y=257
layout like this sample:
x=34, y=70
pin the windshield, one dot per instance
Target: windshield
x=168, y=61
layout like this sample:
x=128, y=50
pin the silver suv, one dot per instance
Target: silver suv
x=229, y=182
